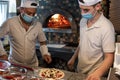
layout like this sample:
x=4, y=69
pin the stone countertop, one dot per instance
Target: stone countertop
x=70, y=75
x=74, y=76
x=33, y=72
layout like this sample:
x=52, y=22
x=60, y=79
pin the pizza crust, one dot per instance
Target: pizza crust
x=51, y=73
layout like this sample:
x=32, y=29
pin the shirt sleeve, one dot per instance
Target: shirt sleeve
x=2, y=50
x=41, y=34
x=108, y=39
x=4, y=29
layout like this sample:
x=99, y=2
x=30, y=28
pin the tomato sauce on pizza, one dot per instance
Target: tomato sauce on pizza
x=51, y=73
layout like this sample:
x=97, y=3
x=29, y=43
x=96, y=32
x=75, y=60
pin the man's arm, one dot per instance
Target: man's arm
x=73, y=58
x=44, y=51
x=44, y=48
x=4, y=30
x=107, y=63
x=3, y=53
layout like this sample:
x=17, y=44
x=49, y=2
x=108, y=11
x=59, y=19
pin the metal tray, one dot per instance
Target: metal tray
x=4, y=64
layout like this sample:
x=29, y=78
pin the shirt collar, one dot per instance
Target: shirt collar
x=97, y=23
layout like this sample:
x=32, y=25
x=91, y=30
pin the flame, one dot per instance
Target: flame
x=58, y=21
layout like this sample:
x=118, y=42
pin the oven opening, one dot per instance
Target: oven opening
x=58, y=21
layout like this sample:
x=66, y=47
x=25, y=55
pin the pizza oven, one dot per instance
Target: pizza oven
x=58, y=20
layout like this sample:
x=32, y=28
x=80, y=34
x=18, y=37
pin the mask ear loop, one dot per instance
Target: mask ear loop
x=94, y=14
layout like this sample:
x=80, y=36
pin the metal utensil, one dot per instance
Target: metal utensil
x=23, y=70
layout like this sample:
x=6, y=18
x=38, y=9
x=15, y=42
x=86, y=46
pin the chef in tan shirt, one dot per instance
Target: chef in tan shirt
x=24, y=31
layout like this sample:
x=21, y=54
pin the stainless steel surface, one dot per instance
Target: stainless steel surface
x=4, y=64
x=56, y=45
x=112, y=75
x=57, y=30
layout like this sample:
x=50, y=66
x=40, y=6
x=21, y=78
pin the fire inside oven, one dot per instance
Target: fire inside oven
x=58, y=21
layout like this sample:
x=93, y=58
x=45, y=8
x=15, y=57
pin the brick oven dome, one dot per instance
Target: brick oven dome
x=68, y=17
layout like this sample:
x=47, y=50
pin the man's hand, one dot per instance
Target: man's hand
x=4, y=57
x=93, y=76
x=71, y=63
x=47, y=58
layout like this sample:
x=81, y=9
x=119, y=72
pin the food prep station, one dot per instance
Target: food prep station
x=19, y=72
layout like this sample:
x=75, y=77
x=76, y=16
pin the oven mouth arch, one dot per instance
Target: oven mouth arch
x=63, y=12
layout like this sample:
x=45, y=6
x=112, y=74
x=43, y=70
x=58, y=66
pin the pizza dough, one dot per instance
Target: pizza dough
x=51, y=73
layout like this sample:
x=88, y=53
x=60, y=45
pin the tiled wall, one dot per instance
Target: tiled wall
x=71, y=6
x=61, y=38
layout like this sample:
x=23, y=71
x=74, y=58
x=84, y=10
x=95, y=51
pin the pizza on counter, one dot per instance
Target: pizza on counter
x=51, y=73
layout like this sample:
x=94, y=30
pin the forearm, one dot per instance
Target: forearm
x=44, y=51
x=4, y=30
x=75, y=55
x=44, y=48
x=107, y=63
x=2, y=50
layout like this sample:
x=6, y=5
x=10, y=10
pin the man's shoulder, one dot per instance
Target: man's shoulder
x=37, y=23
x=83, y=22
x=83, y=19
x=15, y=18
x=12, y=20
x=105, y=20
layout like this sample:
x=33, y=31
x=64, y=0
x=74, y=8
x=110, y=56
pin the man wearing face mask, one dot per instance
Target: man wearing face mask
x=97, y=41
x=24, y=31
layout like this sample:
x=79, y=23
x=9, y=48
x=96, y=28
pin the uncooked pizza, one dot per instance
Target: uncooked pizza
x=51, y=73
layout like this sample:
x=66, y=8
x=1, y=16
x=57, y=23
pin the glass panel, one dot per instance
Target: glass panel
x=3, y=11
x=12, y=6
